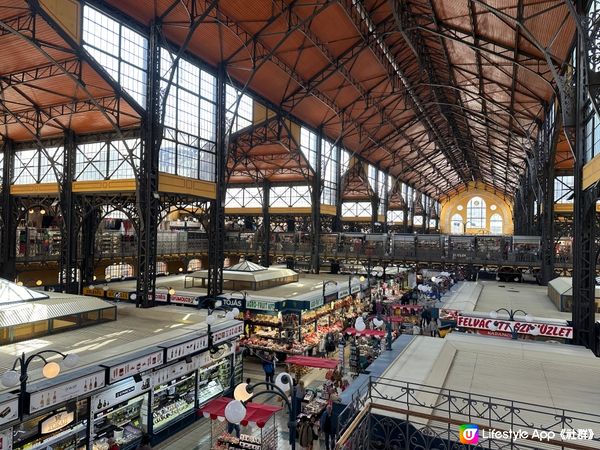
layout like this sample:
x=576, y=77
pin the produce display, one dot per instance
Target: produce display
x=261, y=343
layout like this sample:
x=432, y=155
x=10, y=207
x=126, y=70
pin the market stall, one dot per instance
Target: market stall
x=316, y=399
x=258, y=428
x=296, y=327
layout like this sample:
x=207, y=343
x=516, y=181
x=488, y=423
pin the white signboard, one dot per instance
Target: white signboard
x=206, y=358
x=119, y=393
x=6, y=439
x=187, y=348
x=184, y=299
x=228, y=333
x=55, y=395
x=160, y=297
x=543, y=329
x=130, y=368
x=9, y=411
x=343, y=293
x=174, y=371
x=56, y=422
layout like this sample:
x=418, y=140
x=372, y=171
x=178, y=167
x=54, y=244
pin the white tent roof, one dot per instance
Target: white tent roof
x=245, y=266
x=13, y=293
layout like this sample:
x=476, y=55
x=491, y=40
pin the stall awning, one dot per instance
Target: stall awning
x=311, y=361
x=257, y=413
x=367, y=332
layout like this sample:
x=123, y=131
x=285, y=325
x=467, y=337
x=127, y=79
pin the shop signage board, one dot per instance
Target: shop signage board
x=238, y=303
x=119, y=393
x=354, y=289
x=206, y=358
x=228, y=333
x=184, y=299
x=343, y=293
x=174, y=371
x=9, y=411
x=247, y=442
x=6, y=439
x=330, y=297
x=55, y=395
x=262, y=305
x=57, y=422
x=545, y=329
x=160, y=297
x=130, y=368
x=187, y=348
x=315, y=303
x=180, y=299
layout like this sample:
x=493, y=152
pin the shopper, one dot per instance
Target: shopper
x=145, y=443
x=112, y=445
x=300, y=393
x=233, y=428
x=269, y=368
x=316, y=445
x=327, y=427
x=305, y=433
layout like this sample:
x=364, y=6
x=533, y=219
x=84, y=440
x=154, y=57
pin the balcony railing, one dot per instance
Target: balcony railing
x=386, y=414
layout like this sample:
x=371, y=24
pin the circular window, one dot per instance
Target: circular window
x=493, y=207
x=476, y=202
x=459, y=207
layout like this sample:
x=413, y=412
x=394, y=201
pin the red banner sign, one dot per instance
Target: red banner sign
x=506, y=326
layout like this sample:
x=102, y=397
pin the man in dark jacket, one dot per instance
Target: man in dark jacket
x=328, y=428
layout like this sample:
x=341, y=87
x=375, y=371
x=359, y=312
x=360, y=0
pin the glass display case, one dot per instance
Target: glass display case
x=173, y=400
x=213, y=380
x=61, y=429
x=125, y=422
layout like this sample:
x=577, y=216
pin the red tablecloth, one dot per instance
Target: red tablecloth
x=311, y=361
x=259, y=413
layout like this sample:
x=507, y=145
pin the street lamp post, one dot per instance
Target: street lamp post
x=51, y=369
x=236, y=410
x=511, y=317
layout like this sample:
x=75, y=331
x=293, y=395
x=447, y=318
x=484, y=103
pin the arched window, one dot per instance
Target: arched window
x=496, y=224
x=457, y=224
x=476, y=213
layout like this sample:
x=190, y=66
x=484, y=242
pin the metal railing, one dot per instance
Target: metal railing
x=391, y=414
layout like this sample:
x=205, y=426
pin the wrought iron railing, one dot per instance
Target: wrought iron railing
x=391, y=414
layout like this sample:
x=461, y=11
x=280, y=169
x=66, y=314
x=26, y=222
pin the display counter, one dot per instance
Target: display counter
x=213, y=380
x=173, y=401
x=63, y=429
x=121, y=413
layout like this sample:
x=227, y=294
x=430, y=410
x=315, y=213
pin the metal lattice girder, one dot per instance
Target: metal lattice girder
x=72, y=66
x=8, y=211
x=260, y=53
x=42, y=115
x=70, y=219
x=407, y=26
x=148, y=200
x=377, y=45
x=274, y=130
x=216, y=254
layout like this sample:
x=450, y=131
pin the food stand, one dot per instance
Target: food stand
x=315, y=400
x=259, y=428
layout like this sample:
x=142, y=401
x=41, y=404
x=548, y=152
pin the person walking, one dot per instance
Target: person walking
x=305, y=433
x=145, y=443
x=300, y=393
x=327, y=427
x=269, y=368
